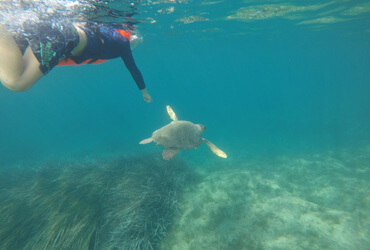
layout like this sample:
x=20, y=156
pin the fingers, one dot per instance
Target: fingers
x=147, y=98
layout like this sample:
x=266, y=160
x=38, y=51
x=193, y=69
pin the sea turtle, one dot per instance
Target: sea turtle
x=178, y=135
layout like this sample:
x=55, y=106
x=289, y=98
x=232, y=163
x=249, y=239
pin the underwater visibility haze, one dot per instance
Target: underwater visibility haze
x=282, y=87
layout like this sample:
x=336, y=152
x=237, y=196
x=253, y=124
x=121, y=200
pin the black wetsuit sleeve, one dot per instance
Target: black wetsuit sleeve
x=129, y=61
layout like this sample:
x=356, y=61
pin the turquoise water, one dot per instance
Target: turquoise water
x=266, y=85
x=269, y=80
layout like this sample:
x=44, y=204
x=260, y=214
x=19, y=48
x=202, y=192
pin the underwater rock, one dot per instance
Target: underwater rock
x=166, y=10
x=192, y=19
x=267, y=11
x=123, y=203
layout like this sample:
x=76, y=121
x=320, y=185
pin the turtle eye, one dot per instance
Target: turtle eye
x=202, y=127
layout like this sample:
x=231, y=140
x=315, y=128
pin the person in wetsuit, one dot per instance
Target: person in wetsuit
x=27, y=56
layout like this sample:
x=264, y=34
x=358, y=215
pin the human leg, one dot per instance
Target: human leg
x=11, y=59
x=17, y=72
x=48, y=42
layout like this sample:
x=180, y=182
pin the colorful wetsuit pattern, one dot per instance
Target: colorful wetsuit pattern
x=50, y=42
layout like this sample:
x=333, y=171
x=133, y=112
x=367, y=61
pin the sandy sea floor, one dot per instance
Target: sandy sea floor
x=319, y=201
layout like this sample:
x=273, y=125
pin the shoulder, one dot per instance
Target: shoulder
x=114, y=34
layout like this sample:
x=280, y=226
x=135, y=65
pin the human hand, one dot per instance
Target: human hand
x=146, y=95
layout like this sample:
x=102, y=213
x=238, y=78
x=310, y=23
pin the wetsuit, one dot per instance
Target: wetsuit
x=104, y=43
x=50, y=41
x=53, y=42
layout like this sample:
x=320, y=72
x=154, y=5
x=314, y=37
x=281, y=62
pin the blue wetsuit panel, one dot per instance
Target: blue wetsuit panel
x=106, y=43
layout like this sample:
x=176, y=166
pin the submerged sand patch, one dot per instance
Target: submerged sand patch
x=311, y=202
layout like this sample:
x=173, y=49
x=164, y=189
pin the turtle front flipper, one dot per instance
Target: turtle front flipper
x=169, y=153
x=171, y=113
x=145, y=141
x=215, y=149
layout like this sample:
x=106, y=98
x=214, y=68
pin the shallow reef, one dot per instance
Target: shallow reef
x=115, y=203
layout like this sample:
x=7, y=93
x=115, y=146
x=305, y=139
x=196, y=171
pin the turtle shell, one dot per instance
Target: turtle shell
x=178, y=134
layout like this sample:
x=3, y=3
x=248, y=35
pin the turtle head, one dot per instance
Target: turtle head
x=201, y=128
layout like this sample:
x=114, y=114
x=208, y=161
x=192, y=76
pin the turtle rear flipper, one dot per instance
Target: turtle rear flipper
x=169, y=153
x=149, y=140
x=215, y=149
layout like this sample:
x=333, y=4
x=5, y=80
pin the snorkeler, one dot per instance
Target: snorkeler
x=27, y=56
